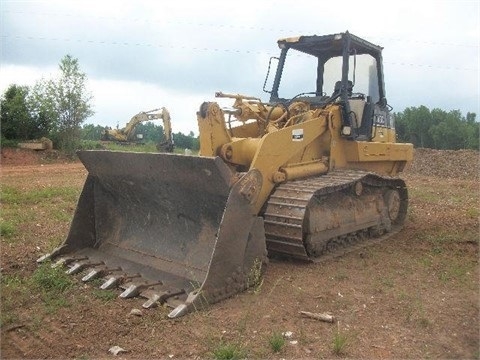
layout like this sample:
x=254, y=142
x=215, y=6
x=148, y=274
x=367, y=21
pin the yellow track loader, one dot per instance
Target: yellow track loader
x=309, y=174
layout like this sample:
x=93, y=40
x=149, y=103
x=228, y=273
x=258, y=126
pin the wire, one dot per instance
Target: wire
x=205, y=49
x=215, y=25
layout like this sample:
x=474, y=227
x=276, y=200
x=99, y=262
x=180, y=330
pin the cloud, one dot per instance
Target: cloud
x=144, y=53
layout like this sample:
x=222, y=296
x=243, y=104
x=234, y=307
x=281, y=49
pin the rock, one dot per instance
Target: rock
x=115, y=350
x=136, y=312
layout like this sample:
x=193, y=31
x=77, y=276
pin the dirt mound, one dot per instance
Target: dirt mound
x=17, y=156
x=452, y=164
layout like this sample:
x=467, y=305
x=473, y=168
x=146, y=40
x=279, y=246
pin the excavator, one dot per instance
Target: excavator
x=307, y=175
x=126, y=135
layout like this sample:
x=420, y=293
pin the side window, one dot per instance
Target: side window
x=362, y=72
x=299, y=75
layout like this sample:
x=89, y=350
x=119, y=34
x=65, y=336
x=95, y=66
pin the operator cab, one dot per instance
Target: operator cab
x=339, y=68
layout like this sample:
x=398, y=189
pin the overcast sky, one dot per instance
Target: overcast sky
x=141, y=55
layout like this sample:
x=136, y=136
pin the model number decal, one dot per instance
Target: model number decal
x=297, y=134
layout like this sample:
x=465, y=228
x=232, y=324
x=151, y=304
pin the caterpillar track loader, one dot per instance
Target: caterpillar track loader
x=309, y=174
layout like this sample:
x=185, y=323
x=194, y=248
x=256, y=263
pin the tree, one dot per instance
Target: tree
x=65, y=102
x=92, y=132
x=438, y=129
x=186, y=141
x=151, y=132
x=17, y=121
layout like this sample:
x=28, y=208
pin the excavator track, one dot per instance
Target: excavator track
x=328, y=216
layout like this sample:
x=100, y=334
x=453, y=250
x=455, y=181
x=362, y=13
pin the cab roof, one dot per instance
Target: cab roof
x=328, y=46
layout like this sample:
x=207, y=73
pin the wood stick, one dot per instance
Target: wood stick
x=319, y=316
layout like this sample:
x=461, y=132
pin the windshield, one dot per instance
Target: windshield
x=300, y=73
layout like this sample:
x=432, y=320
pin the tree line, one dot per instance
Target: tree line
x=57, y=108
x=438, y=129
x=152, y=133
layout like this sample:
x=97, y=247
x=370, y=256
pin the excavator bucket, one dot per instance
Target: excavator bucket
x=176, y=230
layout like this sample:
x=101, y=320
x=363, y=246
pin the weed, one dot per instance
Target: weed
x=105, y=295
x=7, y=229
x=276, y=341
x=228, y=351
x=53, y=301
x=339, y=342
x=51, y=279
x=473, y=213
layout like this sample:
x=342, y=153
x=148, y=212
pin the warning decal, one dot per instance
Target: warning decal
x=297, y=135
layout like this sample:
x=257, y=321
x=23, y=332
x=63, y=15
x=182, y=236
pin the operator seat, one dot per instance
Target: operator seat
x=338, y=87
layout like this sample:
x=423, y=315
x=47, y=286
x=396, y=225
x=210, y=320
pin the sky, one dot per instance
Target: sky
x=142, y=55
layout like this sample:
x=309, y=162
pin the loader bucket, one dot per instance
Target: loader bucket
x=176, y=230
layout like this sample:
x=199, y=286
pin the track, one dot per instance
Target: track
x=343, y=204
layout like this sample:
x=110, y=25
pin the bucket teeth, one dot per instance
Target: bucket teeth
x=93, y=274
x=135, y=290
x=160, y=297
x=44, y=258
x=152, y=301
x=98, y=272
x=62, y=262
x=67, y=260
x=76, y=268
x=79, y=266
x=115, y=281
x=131, y=291
x=111, y=283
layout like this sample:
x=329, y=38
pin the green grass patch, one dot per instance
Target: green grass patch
x=13, y=295
x=276, y=341
x=7, y=229
x=473, y=213
x=105, y=295
x=228, y=351
x=11, y=195
x=51, y=279
x=339, y=343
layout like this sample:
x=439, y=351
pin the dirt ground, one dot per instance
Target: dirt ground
x=415, y=295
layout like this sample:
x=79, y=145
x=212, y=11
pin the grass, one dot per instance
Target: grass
x=7, y=229
x=105, y=295
x=339, y=343
x=51, y=279
x=11, y=195
x=46, y=283
x=276, y=341
x=228, y=351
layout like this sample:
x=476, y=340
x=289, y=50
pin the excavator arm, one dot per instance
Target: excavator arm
x=127, y=133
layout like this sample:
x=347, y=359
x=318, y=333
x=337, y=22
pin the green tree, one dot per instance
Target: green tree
x=413, y=125
x=92, y=132
x=438, y=128
x=151, y=132
x=17, y=121
x=66, y=102
x=186, y=141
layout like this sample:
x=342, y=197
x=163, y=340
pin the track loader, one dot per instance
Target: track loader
x=311, y=173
